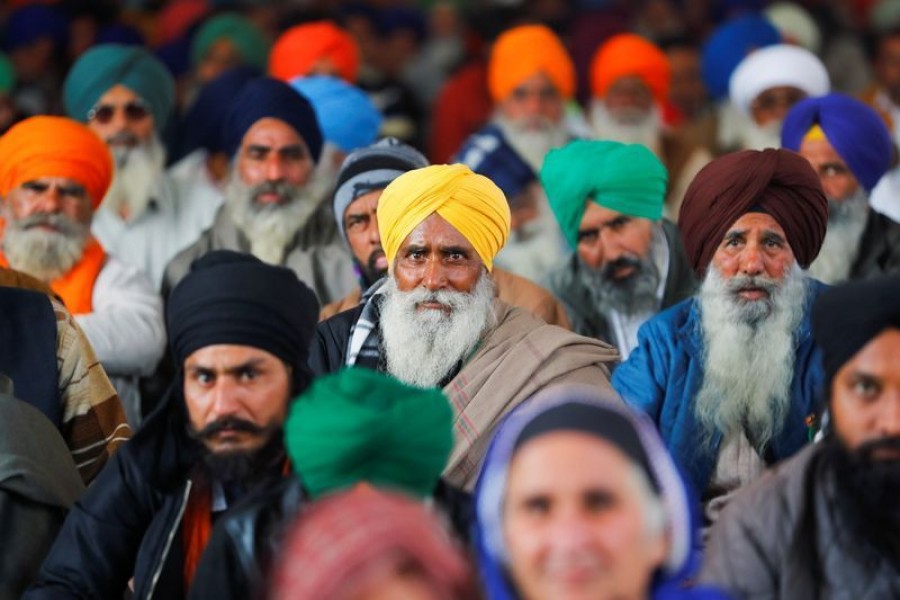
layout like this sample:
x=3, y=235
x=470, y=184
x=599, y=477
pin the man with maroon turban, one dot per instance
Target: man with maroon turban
x=732, y=376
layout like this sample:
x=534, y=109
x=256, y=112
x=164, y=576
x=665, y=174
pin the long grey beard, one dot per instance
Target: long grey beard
x=270, y=228
x=44, y=254
x=635, y=295
x=137, y=171
x=532, y=144
x=643, y=127
x=846, y=222
x=754, y=137
x=749, y=356
x=422, y=347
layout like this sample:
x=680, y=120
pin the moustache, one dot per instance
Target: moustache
x=868, y=451
x=123, y=138
x=60, y=222
x=743, y=283
x=282, y=189
x=228, y=423
x=609, y=270
x=373, y=258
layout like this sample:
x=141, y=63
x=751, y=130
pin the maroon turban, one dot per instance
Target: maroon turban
x=779, y=182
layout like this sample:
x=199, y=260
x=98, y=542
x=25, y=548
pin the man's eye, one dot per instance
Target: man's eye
x=618, y=224
x=537, y=506
x=588, y=237
x=248, y=374
x=866, y=388
x=204, y=377
x=732, y=243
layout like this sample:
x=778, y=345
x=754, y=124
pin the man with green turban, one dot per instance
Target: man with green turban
x=629, y=262
x=224, y=42
x=125, y=95
x=348, y=428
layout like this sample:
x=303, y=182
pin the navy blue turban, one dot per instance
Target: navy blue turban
x=204, y=120
x=269, y=98
x=234, y=298
x=854, y=129
x=489, y=154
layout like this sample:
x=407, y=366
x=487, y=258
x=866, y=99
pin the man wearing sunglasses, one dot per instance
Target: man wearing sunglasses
x=125, y=96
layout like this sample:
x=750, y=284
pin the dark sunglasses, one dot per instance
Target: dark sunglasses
x=136, y=110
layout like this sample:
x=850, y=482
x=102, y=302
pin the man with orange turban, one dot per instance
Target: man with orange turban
x=732, y=375
x=53, y=174
x=319, y=48
x=531, y=78
x=630, y=79
x=435, y=321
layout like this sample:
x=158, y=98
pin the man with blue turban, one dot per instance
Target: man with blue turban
x=125, y=95
x=274, y=193
x=849, y=146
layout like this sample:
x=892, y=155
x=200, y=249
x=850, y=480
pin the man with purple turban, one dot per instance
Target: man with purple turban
x=849, y=146
x=730, y=375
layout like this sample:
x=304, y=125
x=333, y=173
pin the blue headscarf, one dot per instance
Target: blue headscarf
x=204, y=120
x=266, y=97
x=28, y=24
x=600, y=413
x=729, y=45
x=347, y=116
x=853, y=128
x=489, y=154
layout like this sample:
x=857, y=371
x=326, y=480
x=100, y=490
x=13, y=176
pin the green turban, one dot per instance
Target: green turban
x=7, y=74
x=107, y=65
x=248, y=40
x=358, y=425
x=626, y=178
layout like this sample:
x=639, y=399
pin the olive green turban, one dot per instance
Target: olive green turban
x=359, y=425
x=626, y=178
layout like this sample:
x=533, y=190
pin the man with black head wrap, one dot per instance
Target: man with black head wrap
x=240, y=332
x=826, y=524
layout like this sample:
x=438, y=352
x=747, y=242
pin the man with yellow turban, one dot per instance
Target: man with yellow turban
x=53, y=174
x=531, y=80
x=435, y=321
x=628, y=262
x=630, y=79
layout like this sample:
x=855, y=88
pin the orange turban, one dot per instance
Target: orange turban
x=298, y=49
x=626, y=55
x=55, y=147
x=524, y=51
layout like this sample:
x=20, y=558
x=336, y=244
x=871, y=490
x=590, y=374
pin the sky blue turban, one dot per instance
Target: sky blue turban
x=270, y=98
x=854, y=129
x=105, y=66
x=729, y=44
x=348, y=118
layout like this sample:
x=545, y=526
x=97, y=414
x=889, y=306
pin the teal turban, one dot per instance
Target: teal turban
x=7, y=74
x=358, y=425
x=249, y=41
x=107, y=65
x=626, y=178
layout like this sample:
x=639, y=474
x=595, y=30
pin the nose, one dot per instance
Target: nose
x=225, y=398
x=374, y=236
x=274, y=167
x=570, y=533
x=118, y=122
x=890, y=419
x=752, y=261
x=592, y=254
x=50, y=201
x=435, y=276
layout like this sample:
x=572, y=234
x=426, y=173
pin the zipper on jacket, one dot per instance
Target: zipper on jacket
x=168, y=546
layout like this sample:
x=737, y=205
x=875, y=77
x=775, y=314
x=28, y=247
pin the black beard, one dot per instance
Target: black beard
x=240, y=467
x=369, y=271
x=866, y=498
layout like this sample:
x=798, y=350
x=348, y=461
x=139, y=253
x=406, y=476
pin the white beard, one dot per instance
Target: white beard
x=46, y=255
x=533, y=143
x=422, y=347
x=846, y=222
x=270, y=228
x=749, y=357
x=137, y=171
x=754, y=137
x=635, y=128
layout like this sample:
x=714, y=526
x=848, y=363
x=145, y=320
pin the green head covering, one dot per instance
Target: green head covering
x=626, y=178
x=249, y=41
x=359, y=425
x=107, y=65
x=7, y=74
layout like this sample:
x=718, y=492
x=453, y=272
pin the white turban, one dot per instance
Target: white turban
x=777, y=66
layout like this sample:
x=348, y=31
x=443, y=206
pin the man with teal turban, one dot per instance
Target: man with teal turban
x=125, y=95
x=224, y=42
x=352, y=427
x=628, y=262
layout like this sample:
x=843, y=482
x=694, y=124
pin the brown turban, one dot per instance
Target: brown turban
x=779, y=182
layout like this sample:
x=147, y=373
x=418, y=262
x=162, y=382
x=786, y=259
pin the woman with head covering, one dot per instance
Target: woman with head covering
x=578, y=498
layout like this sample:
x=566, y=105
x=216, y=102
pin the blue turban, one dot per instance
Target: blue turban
x=105, y=66
x=347, y=116
x=489, y=154
x=270, y=98
x=206, y=116
x=28, y=24
x=729, y=45
x=854, y=129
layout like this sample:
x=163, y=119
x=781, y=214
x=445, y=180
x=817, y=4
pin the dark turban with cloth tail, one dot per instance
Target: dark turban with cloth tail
x=235, y=298
x=847, y=317
x=358, y=425
x=853, y=128
x=780, y=183
x=626, y=178
x=269, y=98
x=105, y=66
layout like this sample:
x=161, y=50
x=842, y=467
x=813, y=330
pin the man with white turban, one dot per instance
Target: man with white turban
x=435, y=321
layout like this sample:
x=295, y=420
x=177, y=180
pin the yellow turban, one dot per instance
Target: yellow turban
x=524, y=51
x=468, y=201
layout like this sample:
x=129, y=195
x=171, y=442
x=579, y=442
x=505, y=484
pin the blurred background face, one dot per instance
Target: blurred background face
x=772, y=105
x=837, y=179
x=361, y=227
x=628, y=99
x=887, y=66
x=687, y=91
x=575, y=521
x=606, y=236
x=273, y=152
x=122, y=118
x=535, y=101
